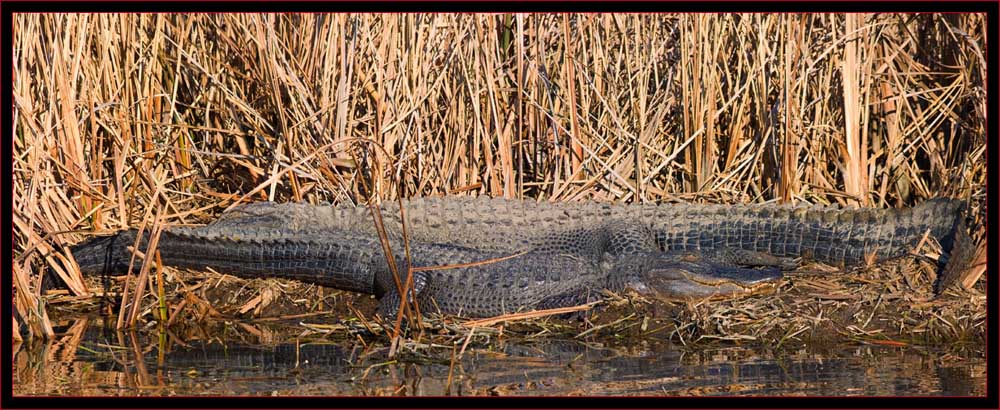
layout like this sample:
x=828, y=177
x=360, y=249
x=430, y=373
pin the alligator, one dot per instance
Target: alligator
x=534, y=255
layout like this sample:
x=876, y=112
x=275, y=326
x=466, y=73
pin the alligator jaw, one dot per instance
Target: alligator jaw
x=689, y=281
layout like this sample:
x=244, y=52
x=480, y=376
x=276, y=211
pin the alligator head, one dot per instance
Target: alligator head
x=670, y=277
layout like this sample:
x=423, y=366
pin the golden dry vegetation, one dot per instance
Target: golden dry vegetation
x=121, y=120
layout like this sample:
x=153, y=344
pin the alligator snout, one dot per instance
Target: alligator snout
x=685, y=280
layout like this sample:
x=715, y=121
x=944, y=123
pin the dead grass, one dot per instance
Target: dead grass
x=118, y=116
x=890, y=305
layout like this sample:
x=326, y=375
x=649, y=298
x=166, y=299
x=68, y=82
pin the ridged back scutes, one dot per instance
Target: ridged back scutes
x=832, y=233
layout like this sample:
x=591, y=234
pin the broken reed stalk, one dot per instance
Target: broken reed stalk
x=468, y=264
x=15, y=330
x=161, y=297
x=855, y=69
x=148, y=261
x=29, y=306
x=971, y=276
x=409, y=287
x=403, y=287
x=526, y=315
x=289, y=169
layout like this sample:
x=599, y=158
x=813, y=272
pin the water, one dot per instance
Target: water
x=87, y=359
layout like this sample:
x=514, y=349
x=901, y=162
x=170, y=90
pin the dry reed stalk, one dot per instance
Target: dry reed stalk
x=148, y=261
x=15, y=331
x=789, y=155
x=976, y=270
x=472, y=324
x=568, y=65
x=520, y=126
x=28, y=306
x=853, y=156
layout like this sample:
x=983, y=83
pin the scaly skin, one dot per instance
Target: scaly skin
x=355, y=263
x=839, y=237
x=573, y=251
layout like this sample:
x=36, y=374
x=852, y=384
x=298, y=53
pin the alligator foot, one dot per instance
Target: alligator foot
x=389, y=304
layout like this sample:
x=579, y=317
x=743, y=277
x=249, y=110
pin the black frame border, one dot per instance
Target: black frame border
x=991, y=8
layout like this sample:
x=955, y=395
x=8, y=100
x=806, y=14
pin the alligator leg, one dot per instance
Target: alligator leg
x=960, y=258
x=574, y=297
x=388, y=305
x=630, y=238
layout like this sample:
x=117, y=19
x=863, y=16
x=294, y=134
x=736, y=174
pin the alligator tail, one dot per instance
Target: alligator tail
x=343, y=263
x=105, y=254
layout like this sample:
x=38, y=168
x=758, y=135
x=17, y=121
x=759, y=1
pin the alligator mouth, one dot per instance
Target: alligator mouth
x=688, y=281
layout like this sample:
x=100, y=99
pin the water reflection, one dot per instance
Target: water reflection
x=89, y=359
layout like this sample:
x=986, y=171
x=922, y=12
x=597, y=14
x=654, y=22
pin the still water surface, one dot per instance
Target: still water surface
x=87, y=359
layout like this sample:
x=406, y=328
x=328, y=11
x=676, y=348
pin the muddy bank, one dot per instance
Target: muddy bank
x=891, y=305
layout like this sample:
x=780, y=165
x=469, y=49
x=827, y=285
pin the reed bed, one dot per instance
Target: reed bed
x=160, y=119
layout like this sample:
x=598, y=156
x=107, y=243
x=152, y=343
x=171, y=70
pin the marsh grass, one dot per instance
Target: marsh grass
x=159, y=119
